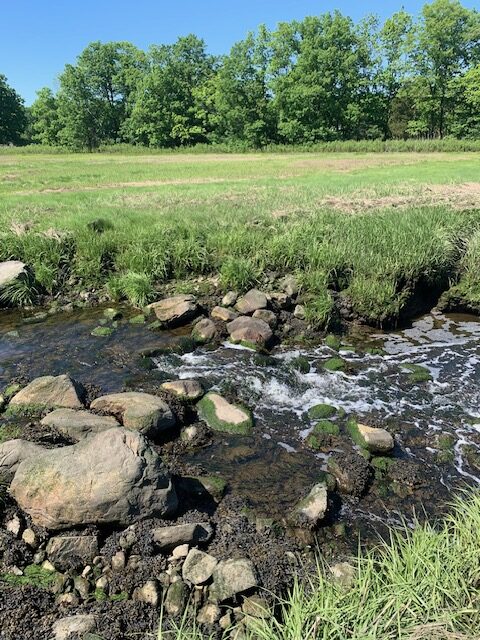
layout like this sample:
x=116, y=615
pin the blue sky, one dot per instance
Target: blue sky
x=39, y=36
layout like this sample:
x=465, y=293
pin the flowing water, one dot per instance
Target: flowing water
x=273, y=467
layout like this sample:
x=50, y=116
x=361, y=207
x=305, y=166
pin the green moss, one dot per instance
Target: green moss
x=102, y=332
x=33, y=575
x=119, y=597
x=264, y=360
x=321, y=411
x=335, y=364
x=112, y=314
x=418, y=373
x=326, y=427
x=300, y=364
x=445, y=457
x=333, y=342
x=206, y=411
x=445, y=441
x=9, y=432
x=100, y=595
x=11, y=390
x=381, y=466
x=375, y=351
x=140, y=319
x=352, y=428
x=24, y=410
x=322, y=434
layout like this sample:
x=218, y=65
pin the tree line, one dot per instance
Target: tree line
x=323, y=78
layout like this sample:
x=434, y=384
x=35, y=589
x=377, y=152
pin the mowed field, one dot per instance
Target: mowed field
x=369, y=225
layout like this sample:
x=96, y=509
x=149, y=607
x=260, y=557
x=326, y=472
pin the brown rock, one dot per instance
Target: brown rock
x=50, y=392
x=176, y=310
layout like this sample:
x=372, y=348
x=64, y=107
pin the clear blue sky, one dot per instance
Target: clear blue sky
x=39, y=36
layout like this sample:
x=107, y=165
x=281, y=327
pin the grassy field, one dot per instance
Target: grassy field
x=376, y=227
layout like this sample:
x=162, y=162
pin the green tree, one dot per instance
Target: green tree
x=166, y=109
x=95, y=94
x=467, y=117
x=13, y=118
x=243, y=108
x=45, y=121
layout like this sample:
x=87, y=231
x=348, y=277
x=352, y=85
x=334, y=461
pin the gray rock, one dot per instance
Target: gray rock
x=167, y=538
x=375, y=440
x=251, y=301
x=229, y=298
x=204, y=331
x=299, y=312
x=72, y=552
x=49, y=392
x=343, y=573
x=13, y=453
x=187, y=389
x=78, y=425
x=231, y=577
x=209, y=614
x=267, y=316
x=250, y=331
x=10, y=271
x=176, y=310
x=148, y=593
x=65, y=628
x=198, y=567
x=176, y=598
x=143, y=412
x=313, y=507
x=113, y=477
x=221, y=415
x=289, y=284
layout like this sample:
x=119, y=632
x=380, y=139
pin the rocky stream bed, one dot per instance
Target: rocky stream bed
x=204, y=452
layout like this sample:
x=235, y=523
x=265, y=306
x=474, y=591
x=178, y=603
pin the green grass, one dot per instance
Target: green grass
x=375, y=227
x=420, y=584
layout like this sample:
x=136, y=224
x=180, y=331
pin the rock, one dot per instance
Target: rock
x=50, y=392
x=231, y=577
x=30, y=538
x=289, y=284
x=118, y=561
x=281, y=299
x=148, y=593
x=343, y=573
x=78, y=425
x=209, y=614
x=143, y=412
x=198, y=567
x=12, y=270
x=312, y=509
x=221, y=415
x=204, y=331
x=251, y=301
x=112, y=314
x=229, y=298
x=72, y=552
x=114, y=477
x=351, y=471
x=372, y=439
x=251, y=332
x=299, y=312
x=223, y=314
x=81, y=586
x=202, y=486
x=226, y=621
x=267, y=316
x=187, y=389
x=13, y=453
x=176, y=310
x=65, y=628
x=256, y=607
x=176, y=598
x=68, y=600
x=14, y=526
x=180, y=552
x=167, y=538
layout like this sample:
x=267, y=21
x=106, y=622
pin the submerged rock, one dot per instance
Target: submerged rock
x=221, y=415
x=251, y=301
x=78, y=425
x=138, y=411
x=176, y=310
x=249, y=331
x=114, y=477
x=231, y=577
x=49, y=392
x=187, y=389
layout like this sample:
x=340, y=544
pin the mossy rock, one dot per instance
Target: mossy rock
x=300, y=364
x=418, y=373
x=112, y=314
x=333, y=342
x=102, y=332
x=370, y=439
x=375, y=351
x=335, y=364
x=321, y=411
x=221, y=415
x=140, y=319
x=445, y=456
x=381, y=465
x=322, y=434
x=445, y=442
x=264, y=360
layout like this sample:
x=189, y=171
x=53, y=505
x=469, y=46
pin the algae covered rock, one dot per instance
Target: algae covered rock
x=372, y=439
x=221, y=415
x=321, y=411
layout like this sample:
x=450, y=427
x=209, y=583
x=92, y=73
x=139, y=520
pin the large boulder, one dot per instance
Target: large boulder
x=176, y=310
x=78, y=425
x=12, y=270
x=114, y=477
x=248, y=331
x=138, y=411
x=221, y=415
x=251, y=301
x=13, y=452
x=49, y=392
